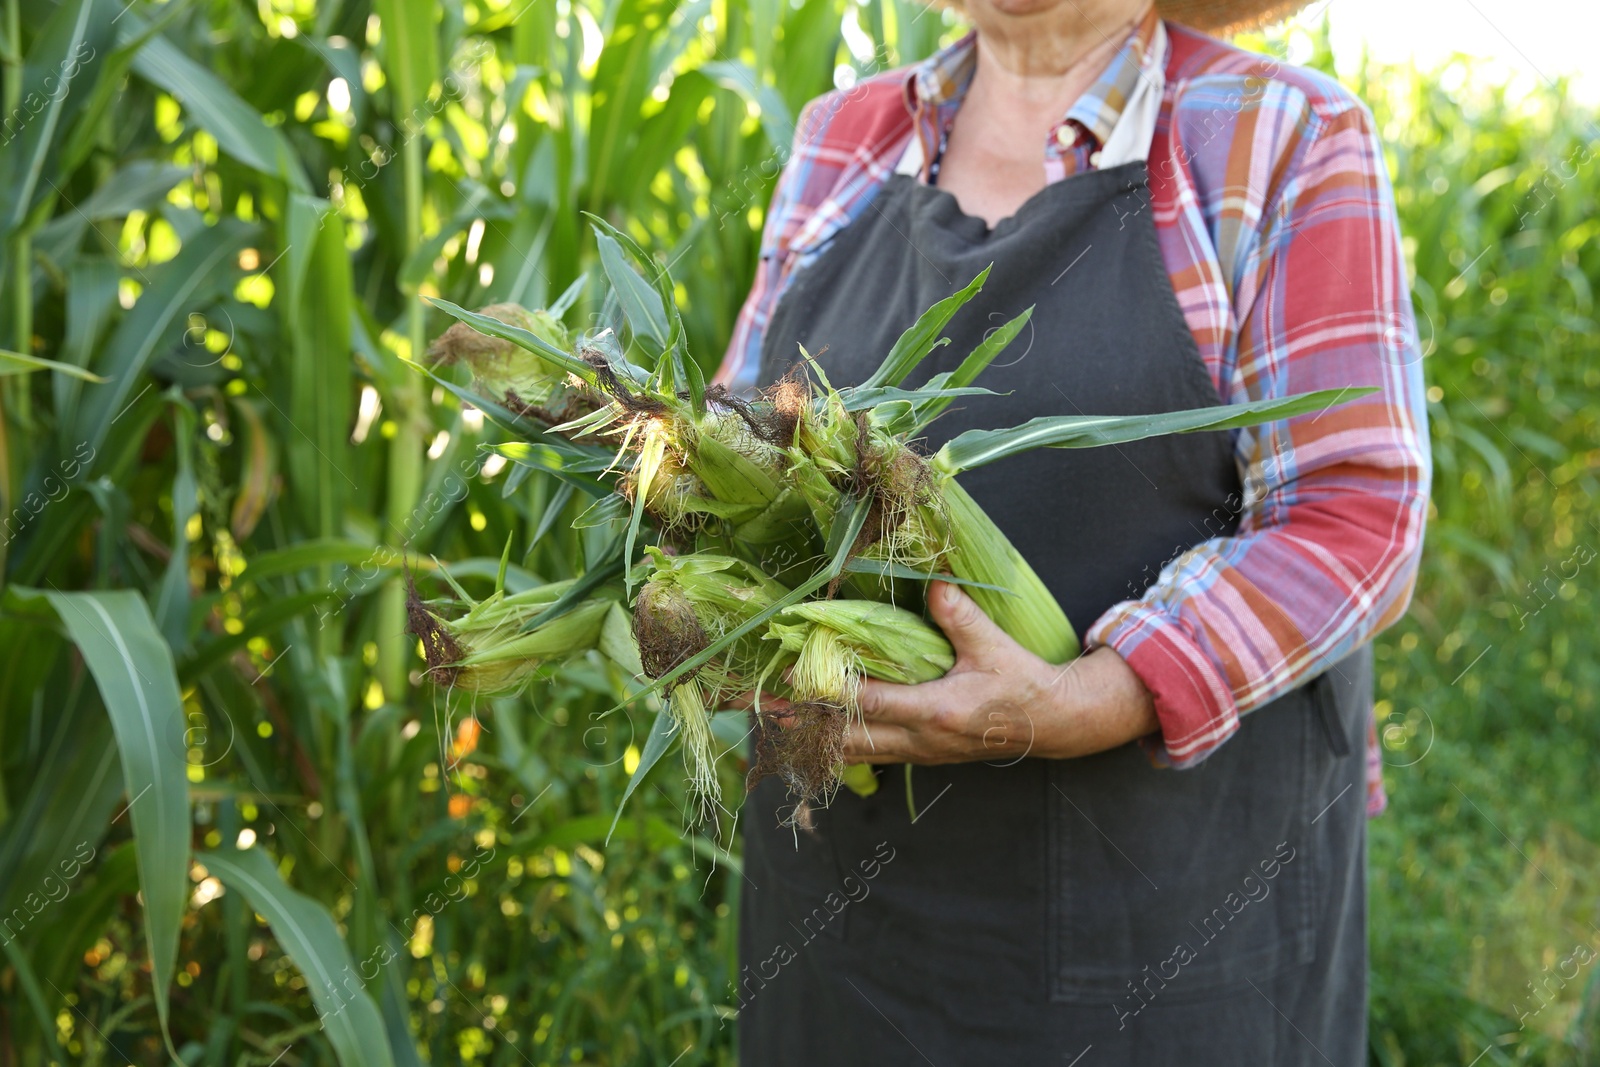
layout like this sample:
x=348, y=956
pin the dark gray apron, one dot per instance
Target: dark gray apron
x=1038, y=910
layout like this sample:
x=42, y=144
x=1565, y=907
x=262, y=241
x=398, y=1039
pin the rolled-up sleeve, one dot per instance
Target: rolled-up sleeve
x=1327, y=547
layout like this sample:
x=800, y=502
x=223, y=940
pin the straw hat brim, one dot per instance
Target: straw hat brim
x=1227, y=16
x=1220, y=17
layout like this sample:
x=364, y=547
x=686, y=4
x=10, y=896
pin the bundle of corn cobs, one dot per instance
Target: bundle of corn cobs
x=794, y=530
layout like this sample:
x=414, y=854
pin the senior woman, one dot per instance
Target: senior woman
x=1157, y=854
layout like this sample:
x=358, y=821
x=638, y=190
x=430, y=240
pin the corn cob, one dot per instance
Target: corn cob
x=487, y=652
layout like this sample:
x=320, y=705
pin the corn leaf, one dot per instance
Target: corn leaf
x=171, y=293
x=36, y=1000
x=609, y=510
x=885, y=569
x=56, y=57
x=133, y=668
x=674, y=346
x=571, y=470
x=317, y=317
x=913, y=346
x=559, y=499
x=662, y=733
x=517, y=336
x=741, y=78
x=519, y=426
x=172, y=600
x=264, y=620
x=307, y=555
x=568, y=297
x=976, y=448
x=307, y=934
x=956, y=383
x=215, y=107
x=17, y=363
x=859, y=399
x=641, y=303
x=607, y=567
x=410, y=56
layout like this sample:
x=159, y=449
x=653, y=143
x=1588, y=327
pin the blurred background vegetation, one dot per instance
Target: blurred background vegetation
x=227, y=801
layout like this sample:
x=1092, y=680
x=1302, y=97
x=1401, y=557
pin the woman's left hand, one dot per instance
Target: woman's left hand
x=1000, y=702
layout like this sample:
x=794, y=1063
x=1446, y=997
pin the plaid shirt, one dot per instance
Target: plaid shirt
x=1277, y=226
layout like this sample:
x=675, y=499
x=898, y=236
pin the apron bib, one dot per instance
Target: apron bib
x=1207, y=916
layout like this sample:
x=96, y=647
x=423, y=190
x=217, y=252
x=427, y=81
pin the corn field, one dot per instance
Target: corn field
x=238, y=827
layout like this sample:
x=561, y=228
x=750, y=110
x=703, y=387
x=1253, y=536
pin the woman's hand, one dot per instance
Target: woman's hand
x=1000, y=702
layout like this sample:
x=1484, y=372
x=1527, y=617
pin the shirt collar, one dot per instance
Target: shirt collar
x=941, y=80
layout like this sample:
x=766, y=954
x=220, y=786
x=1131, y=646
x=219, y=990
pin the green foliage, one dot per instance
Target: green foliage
x=227, y=220
x=1483, y=872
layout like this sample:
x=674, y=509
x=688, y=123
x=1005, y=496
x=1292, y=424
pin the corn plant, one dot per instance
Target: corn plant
x=235, y=825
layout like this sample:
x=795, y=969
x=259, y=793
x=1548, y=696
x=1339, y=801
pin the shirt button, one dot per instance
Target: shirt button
x=1094, y=159
x=1066, y=135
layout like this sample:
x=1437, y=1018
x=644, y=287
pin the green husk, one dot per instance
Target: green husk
x=829, y=647
x=504, y=371
x=687, y=603
x=486, y=651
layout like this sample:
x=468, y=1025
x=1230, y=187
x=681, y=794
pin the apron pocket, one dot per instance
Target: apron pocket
x=1181, y=885
x=792, y=875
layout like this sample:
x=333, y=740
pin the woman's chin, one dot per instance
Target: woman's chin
x=981, y=11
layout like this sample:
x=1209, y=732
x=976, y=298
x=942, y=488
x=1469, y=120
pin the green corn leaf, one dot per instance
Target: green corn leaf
x=662, y=733
x=697, y=382
x=91, y=302
x=505, y=561
x=914, y=345
x=555, y=461
x=847, y=524
x=307, y=933
x=641, y=303
x=516, y=578
x=51, y=823
x=215, y=107
x=568, y=297
x=17, y=363
x=960, y=379
x=859, y=399
x=59, y=54
x=975, y=448
x=884, y=569
x=317, y=317
x=133, y=188
x=607, y=567
x=455, y=587
x=263, y=620
x=674, y=347
x=559, y=499
x=410, y=56
x=741, y=78
x=172, y=601
x=170, y=294
x=519, y=426
x=133, y=668
x=519, y=337
x=607, y=511
x=309, y=555
x=44, y=1015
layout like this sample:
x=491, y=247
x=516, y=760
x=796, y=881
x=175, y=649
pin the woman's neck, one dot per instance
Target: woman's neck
x=1043, y=62
x=1031, y=68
